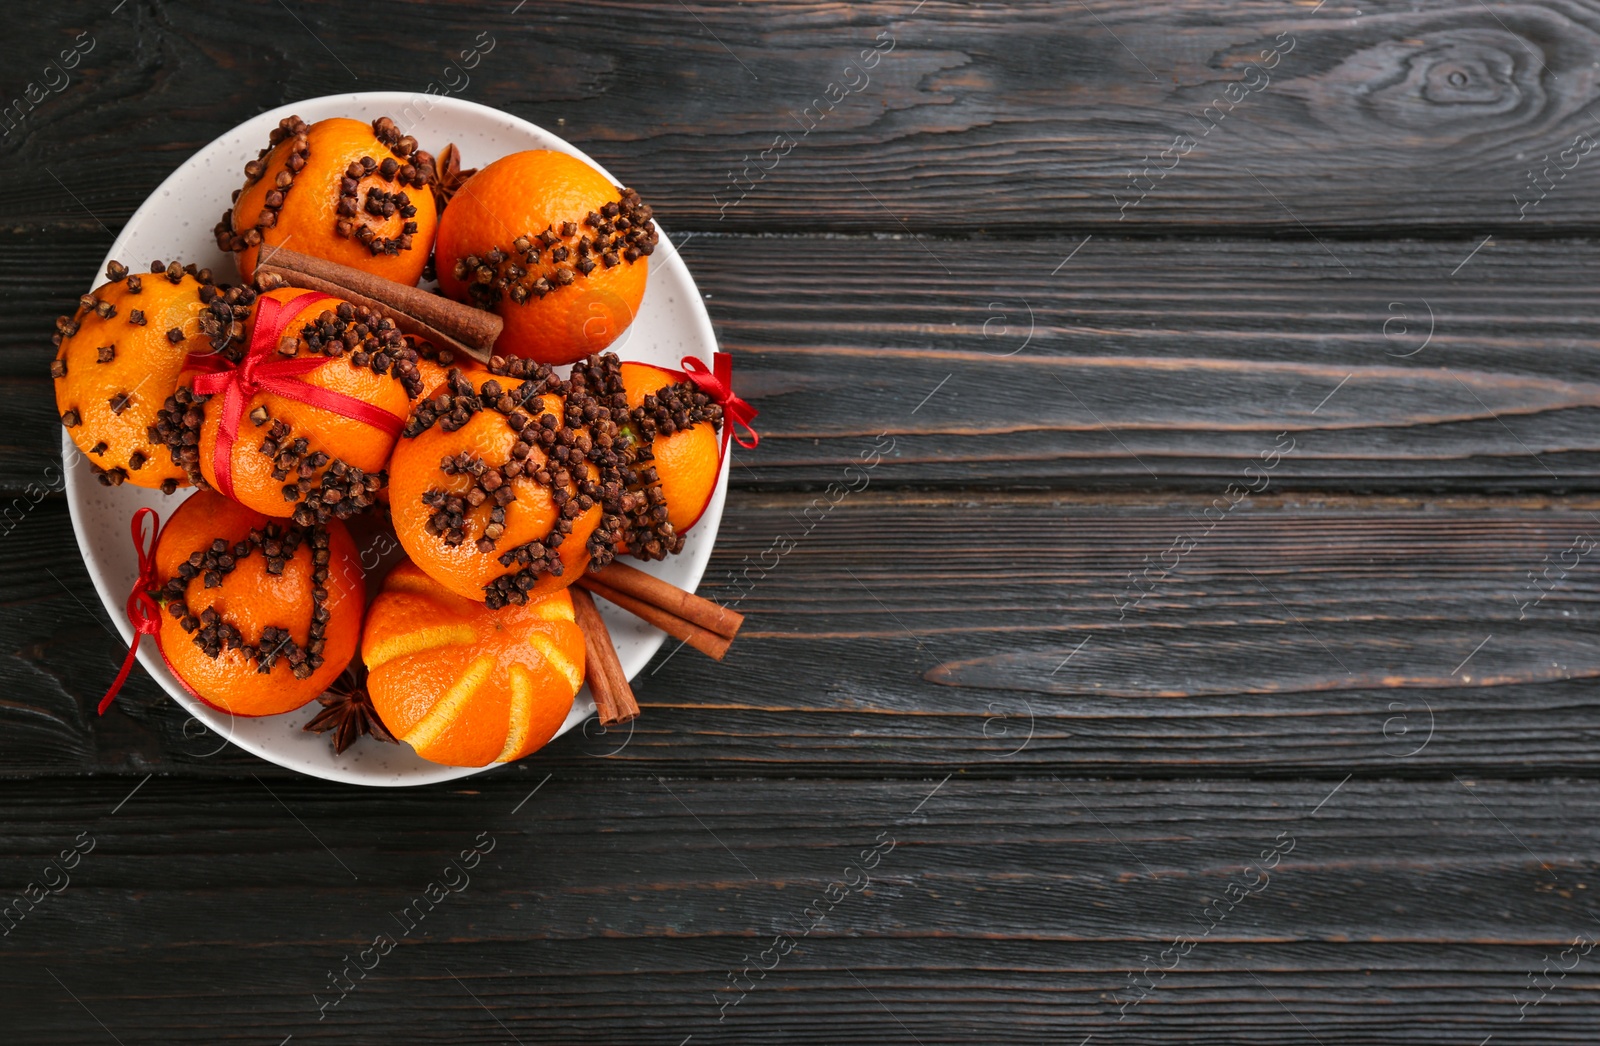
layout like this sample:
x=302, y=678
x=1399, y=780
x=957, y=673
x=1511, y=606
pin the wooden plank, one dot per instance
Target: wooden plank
x=1013, y=118
x=1145, y=365
x=1139, y=365
x=1003, y=635
x=615, y=909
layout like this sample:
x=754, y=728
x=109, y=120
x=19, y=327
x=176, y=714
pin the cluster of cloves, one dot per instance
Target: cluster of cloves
x=596, y=399
x=344, y=491
x=672, y=409
x=448, y=518
x=417, y=168
x=536, y=559
x=538, y=263
x=104, y=309
x=645, y=528
x=293, y=130
x=177, y=428
x=429, y=351
x=325, y=487
x=414, y=168
x=380, y=204
x=214, y=635
x=371, y=340
x=636, y=507
x=573, y=496
x=623, y=229
x=458, y=400
x=223, y=318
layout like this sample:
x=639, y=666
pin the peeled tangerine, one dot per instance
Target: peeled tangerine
x=465, y=685
x=346, y=191
x=262, y=615
x=548, y=243
x=289, y=457
x=118, y=358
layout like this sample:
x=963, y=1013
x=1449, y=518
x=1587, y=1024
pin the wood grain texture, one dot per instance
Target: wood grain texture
x=1173, y=364
x=1396, y=912
x=1026, y=632
x=899, y=635
x=1011, y=118
x=1136, y=365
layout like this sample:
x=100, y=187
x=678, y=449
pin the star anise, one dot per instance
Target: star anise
x=449, y=176
x=347, y=711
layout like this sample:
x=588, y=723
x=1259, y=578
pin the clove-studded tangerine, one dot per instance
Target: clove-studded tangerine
x=119, y=357
x=493, y=492
x=655, y=411
x=505, y=487
x=350, y=192
x=680, y=424
x=547, y=242
x=260, y=614
x=297, y=417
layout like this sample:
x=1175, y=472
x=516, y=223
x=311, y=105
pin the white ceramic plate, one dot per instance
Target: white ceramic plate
x=176, y=221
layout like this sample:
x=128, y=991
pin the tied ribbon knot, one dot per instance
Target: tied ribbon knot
x=717, y=383
x=144, y=613
x=258, y=373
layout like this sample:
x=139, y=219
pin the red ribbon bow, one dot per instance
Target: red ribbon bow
x=281, y=376
x=718, y=384
x=144, y=613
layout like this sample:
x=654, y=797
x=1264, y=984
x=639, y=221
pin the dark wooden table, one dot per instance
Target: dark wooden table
x=1207, y=655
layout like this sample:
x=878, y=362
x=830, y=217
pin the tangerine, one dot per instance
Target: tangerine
x=465, y=685
x=547, y=242
x=342, y=190
x=262, y=615
x=294, y=458
x=479, y=497
x=687, y=460
x=118, y=358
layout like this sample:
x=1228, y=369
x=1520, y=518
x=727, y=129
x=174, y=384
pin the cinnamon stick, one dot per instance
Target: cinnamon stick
x=613, y=697
x=447, y=324
x=703, y=640
x=646, y=588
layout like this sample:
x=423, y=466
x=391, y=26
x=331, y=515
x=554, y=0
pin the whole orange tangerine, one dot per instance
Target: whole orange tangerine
x=548, y=243
x=262, y=615
x=118, y=358
x=687, y=457
x=479, y=497
x=342, y=190
x=303, y=459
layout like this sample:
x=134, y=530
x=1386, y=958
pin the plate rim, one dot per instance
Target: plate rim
x=709, y=524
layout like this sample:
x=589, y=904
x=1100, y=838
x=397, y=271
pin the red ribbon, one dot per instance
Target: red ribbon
x=144, y=614
x=718, y=384
x=280, y=376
